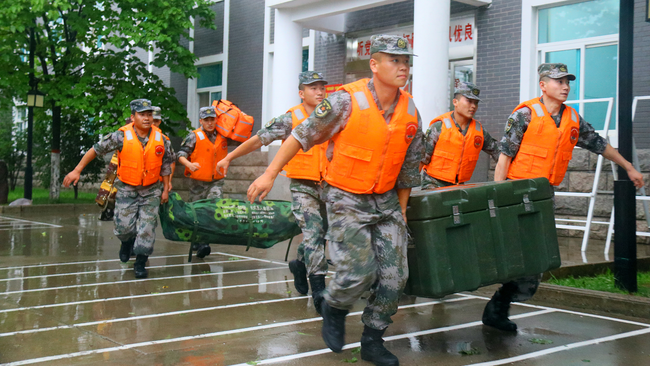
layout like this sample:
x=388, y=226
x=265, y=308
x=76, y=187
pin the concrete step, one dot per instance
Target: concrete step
x=239, y=172
x=256, y=158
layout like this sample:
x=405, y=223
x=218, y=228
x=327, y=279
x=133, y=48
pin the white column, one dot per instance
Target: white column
x=431, y=67
x=287, y=62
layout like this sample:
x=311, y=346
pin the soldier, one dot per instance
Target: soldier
x=199, y=153
x=377, y=147
x=539, y=138
x=451, y=151
x=305, y=171
x=144, y=154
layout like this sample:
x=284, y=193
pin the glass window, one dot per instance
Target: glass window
x=305, y=60
x=209, y=76
x=576, y=21
x=601, y=69
x=206, y=98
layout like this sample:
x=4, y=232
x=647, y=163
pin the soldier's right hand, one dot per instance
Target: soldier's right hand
x=72, y=177
x=260, y=187
x=222, y=166
x=194, y=166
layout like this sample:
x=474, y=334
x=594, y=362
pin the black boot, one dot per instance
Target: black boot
x=203, y=250
x=138, y=267
x=373, y=350
x=299, y=272
x=317, y=283
x=126, y=249
x=496, y=313
x=333, y=327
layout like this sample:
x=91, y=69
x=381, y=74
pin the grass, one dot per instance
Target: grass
x=605, y=282
x=41, y=196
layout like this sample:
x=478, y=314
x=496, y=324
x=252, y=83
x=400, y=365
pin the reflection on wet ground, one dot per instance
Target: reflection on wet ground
x=67, y=300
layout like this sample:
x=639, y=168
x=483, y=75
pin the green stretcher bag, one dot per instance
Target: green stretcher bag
x=474, y=235
x=228, y=221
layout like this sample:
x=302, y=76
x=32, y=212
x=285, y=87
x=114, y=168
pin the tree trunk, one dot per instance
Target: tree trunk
x=55, y=166
x=76, y=190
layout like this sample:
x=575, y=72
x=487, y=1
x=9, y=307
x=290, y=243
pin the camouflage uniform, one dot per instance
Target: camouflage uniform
x=307, y=206
x=366, y=232
x=136, y=207
x=517, y=124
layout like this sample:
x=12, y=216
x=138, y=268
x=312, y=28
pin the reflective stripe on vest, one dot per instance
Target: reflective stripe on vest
x=455, y=156
x=545, y=150
x=310, y=164
x=138, y=166
x=369, y=153
x=207, y=154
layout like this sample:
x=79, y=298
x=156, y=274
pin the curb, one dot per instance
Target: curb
x=600, y=301
x=50, y=208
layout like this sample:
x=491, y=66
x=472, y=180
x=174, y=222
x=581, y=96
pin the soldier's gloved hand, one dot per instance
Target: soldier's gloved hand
x=72, y=177
x=165, y=197
x=222, y=166
x=194, y=166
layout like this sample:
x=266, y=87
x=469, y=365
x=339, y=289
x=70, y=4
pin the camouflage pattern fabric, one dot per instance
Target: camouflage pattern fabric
x=367, y=242
x=519, y=120
x=311, y=214
x=228, y=221
x=429, y=182
x=318, y=129
x=135, y=215
x=279, y=128
x=200, y=190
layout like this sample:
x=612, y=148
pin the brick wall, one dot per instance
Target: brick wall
x=245, y=58
x=208, y=41
x=330, y=57
x=498, y=60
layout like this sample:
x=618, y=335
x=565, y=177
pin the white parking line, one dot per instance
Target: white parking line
x=141, y=296
x=3, y=218
x=387, y=339
x=563, y=311
x=140, y=317
x=206, y=335
x=83, y=262
x=118, y=270
x=138, y=280
x=565, y=347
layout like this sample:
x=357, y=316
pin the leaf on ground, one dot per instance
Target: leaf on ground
x=289, y=292
x=356, y=350
x=131, y=313
x=206, y=272
x=470, y=352
x=165, y=287
x=234, y=258
x=305, y=334
x=252, y=363
x=44, y=233
x=350, y=360
x=540, y=341
x=586, y=360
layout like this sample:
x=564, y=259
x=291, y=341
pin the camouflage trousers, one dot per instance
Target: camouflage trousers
x=311, y=215
x=136, y=215
x=200, y=190
x=367, y=243
x=431, y=182
x=521, y=289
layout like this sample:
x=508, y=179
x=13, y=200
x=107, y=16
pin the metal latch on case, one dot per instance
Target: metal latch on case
x=492, y=208
x=456, y=214
x=528, y=205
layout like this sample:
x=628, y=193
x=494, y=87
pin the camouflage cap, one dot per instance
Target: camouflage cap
x=388, y=43
x=468, y=90
x=206, y=112
x=157, y=113
x=141, y=105
x=554, y=71
x=309, y=77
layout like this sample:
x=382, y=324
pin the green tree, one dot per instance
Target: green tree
x=12, y=150
x=85, y=59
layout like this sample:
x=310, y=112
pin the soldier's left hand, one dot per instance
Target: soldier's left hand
x=165, y=197
x=260, y=187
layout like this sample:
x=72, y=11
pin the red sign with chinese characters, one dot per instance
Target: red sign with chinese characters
x=329, y=89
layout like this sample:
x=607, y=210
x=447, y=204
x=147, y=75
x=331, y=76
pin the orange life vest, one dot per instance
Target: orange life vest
x=368, y=152
x=306, y=165
x=207, y=155
x=545, y=150
x=138, y=166
x=455, y=156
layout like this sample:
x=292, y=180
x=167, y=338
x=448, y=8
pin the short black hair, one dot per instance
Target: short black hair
x=301, y=86
x=457, y=95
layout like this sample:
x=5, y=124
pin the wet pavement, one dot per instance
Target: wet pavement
x=67, y=300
